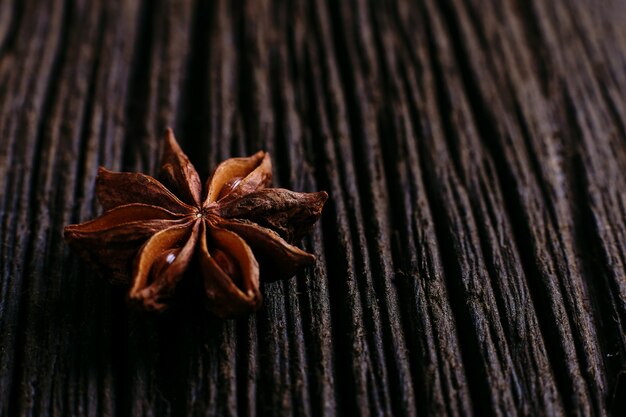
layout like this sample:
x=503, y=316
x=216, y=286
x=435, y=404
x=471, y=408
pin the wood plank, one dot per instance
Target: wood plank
x=471, y=259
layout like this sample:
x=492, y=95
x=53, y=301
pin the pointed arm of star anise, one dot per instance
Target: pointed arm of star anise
x=237, y=231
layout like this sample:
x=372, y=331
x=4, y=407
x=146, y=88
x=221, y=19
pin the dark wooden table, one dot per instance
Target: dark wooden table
x=471, y=257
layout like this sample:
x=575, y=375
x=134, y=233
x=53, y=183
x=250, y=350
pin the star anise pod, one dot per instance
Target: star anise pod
x=235, y=231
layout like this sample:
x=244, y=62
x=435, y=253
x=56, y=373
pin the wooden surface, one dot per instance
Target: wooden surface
x=471, y=257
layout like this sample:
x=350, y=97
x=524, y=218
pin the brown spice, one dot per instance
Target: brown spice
x=165, y=225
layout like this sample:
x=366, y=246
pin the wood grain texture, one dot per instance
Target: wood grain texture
x=471, y=259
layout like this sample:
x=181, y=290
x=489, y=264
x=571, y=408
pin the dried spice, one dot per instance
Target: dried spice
x=236, y=232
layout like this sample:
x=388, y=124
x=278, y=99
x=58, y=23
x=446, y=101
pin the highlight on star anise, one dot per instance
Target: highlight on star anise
x=235, y=229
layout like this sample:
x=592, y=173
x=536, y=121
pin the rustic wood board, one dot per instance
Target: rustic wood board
x=472, y=255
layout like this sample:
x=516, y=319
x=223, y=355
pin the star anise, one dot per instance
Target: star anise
x=231, y=228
